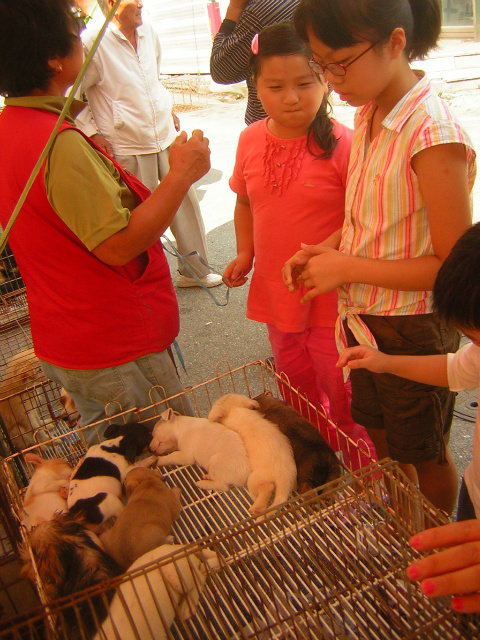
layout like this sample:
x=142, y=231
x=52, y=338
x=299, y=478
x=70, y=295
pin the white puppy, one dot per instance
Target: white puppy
x=269, y=451
x=145, y=606
x=47, y=490
x=20, y=414
x=189, y=440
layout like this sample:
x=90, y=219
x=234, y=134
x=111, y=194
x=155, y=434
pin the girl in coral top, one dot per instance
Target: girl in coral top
x=289, y=177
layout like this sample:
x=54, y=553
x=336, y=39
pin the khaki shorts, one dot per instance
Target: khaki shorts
x=416, y=417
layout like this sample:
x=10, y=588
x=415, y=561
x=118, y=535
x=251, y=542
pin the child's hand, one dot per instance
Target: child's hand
x=236, y=272
x=326, y=270
x=293, y=268
x=364, y=357
x=454, y=571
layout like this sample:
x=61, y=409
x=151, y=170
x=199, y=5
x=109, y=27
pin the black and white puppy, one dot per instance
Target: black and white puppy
x=95, y=488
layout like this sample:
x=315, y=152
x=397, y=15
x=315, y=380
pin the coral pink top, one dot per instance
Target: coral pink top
x=294, y=197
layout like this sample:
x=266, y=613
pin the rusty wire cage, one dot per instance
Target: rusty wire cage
x=189, y=92
x=329, y=565
x=323, y=566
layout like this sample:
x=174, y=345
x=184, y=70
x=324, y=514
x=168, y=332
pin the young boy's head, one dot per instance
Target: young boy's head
x=456, y=292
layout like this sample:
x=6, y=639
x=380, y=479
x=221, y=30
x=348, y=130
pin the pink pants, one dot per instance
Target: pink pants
x=308, y=359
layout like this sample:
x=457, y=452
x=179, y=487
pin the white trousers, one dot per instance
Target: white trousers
x=187, y=226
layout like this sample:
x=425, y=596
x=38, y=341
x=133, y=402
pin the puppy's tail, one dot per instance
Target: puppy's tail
x=284, y=486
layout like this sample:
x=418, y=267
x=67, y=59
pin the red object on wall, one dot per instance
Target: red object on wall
x=214, y=17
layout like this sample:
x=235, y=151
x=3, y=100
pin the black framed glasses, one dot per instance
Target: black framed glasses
x=335, y=68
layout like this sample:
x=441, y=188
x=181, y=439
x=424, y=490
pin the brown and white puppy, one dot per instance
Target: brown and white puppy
x=315, y=459
x=147, y=518
x=20, y=414
x=68, y=557
x=46, y=494
x=95, y=488
x=273, y=470
x=69, y=411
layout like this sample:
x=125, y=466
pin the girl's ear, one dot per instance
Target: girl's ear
x=397, y=42
x=55, y=64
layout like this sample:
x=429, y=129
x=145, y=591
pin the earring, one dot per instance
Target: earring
x=59, y=69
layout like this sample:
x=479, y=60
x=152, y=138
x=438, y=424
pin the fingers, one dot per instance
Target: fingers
x=447, y=535
x=455, y=570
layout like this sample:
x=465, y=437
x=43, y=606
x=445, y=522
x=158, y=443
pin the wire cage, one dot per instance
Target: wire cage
x=327, y=564
x=189, y=93
x=323, y=566
x=10, y=279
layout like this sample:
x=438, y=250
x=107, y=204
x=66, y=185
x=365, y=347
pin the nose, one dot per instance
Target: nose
x=291, y=96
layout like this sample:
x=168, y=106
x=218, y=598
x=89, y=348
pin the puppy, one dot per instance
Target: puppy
x=147, y=519
x=197, y=440
x=68, y=558
x=96, y=484
x=145, y=606
x=271, y=459
x=69, y=412
x=46, y=495
x=20, y=414
x=315, y=459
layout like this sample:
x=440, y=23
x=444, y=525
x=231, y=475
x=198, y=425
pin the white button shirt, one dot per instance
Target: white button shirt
x=127, y=102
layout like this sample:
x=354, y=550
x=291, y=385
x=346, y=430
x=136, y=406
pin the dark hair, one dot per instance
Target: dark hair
x=344, y=23
x=456, y=292
x=31, y=33
x=281, y=40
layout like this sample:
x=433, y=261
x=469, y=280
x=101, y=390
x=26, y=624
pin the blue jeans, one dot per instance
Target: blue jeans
x=100, y=393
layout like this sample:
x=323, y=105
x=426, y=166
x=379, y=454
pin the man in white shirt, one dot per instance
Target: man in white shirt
x=130, y=116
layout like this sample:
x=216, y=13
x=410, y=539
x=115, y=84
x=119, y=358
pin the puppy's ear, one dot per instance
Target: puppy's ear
x=168, y=415
x=112, y=431
x=33, y=458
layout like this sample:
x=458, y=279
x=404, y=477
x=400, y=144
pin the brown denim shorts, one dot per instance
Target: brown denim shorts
x=417, y=417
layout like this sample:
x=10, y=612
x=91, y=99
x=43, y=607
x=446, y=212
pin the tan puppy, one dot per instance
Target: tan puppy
x=20, y=415
x=147, y=519
x=46, y=495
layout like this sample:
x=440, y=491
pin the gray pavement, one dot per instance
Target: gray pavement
x=210, y=333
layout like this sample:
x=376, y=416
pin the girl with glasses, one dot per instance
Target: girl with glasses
x=289, y=178
x=411, y=171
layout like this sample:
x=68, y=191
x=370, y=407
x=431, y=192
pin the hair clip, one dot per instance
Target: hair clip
x=255, y=44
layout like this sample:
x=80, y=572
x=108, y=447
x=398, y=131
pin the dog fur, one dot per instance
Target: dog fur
x=69, y=412
x=20, y=416
x=315, y=459
x=145, y=606
x=68, y=557
x=147, y=518
x=189, y=440
x=46, y=494
x=270, y=453
x=95, y=488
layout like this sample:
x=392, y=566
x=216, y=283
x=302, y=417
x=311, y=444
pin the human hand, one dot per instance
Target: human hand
x=324, y=271
x=454, y=571
x=176, y=122
x=236, y=272
x=293, y=267
x=364, y=357
x=102, y=142
x=190, y=157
